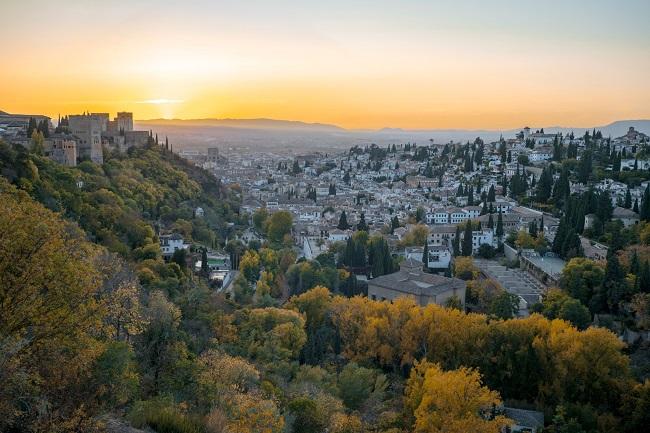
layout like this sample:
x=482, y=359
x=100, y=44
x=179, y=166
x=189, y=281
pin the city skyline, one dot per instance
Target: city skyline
x=413, y=65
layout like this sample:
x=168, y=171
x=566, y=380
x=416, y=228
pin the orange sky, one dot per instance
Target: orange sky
x=416, y=64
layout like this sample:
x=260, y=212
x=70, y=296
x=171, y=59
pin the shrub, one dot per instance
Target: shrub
x=162, y=416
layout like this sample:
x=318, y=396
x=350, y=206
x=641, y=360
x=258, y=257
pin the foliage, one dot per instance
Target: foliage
x=451, y=401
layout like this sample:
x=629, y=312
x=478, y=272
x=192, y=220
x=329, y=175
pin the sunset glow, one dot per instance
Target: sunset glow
x=411, y=64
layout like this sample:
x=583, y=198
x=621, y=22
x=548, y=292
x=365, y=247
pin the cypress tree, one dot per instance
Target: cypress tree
x=491, y=194
x=425, y=256
x=645, y=205
x=628, y=199
x=499, y=230
x=644, y=278
x=204, y=263
x=614, y=284
x=490, y=222
x=456, y=242
x=343, y=222
x=362, y=226
x=467, y=240
x=560, y=236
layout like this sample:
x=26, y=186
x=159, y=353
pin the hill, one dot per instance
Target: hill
x=297, y=136
x=124, y=203
x=262, y=123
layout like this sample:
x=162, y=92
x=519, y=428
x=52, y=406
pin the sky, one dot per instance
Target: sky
x=359, y=64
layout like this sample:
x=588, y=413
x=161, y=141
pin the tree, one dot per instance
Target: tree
x=419, y=214
x=576, y=313
x=465, y=269
x=307, y=417
x=544, y=185
x=456, y=242
x=628, y=199
x=425, y=255
x=260, y=217
x=614, y=287
x=499, y=230
x=379, y=258
x=581, y=278
x=505, y=305
x=279, y=225
x=562, y=188
x=467, y=240
x=204, y=262
x=356, y=384
x=491, y=197
x=343, y=221
x=249, y=266
x=451, y=401
x=362, y=226
x=585, y=166
x=644, y=212
x=48, y=314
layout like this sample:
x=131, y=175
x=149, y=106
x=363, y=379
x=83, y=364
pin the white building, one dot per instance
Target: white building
x=171, y=243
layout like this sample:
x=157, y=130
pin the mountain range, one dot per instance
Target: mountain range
x=320, y=136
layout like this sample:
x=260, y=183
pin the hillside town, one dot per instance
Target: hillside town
x=490, y=228
x=502, y=203
x=427, y=196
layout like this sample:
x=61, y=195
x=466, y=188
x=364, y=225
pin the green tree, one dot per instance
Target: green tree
x=505, y=305
x=260, y=217
x=362, y=226
x=307, y=416
x=581, y=278
x=356, y=384
x=343, y=222
x=279, y=225
x=467, y=240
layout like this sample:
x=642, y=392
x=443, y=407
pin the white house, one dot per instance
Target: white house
x=171, y=243
x=339, y=235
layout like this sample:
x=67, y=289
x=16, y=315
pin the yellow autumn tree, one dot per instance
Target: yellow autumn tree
x=451, y=401
x=49, y=317
x=252, y=413
x=249, y=265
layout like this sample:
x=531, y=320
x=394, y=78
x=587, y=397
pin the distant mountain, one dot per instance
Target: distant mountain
x=272, y=124
x=282, y=135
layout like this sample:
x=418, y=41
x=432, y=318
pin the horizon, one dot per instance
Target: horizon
x=372, y=65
